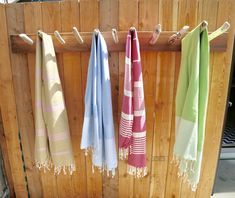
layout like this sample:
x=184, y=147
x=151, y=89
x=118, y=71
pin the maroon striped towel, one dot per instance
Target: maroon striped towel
x=132, y=135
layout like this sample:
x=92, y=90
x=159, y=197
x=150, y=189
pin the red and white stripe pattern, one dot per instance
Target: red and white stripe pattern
x=132, y=133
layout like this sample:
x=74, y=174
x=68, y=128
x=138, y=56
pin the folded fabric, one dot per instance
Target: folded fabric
x=132, y=133
x=191, y=105
x=52, y=141
x=98, y=128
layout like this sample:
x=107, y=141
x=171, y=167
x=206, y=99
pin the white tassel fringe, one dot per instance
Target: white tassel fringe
x=103, y=168
x=137, y=172
x=47, y=165
x=70, y=168
x=123, y=153
x=185, y=171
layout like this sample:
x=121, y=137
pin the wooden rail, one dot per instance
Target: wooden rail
x=71, y=44
x=160, y=75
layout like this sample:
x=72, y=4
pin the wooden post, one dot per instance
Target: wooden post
x=8, y=110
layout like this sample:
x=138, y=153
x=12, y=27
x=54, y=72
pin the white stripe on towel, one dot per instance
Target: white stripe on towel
x=139, y=134
x=127, y=116
x=59, y=136
x=139, y=113
x=128, y=61
x=138, y=84
x=127, y=93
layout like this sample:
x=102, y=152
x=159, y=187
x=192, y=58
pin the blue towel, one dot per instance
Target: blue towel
x=98, y=127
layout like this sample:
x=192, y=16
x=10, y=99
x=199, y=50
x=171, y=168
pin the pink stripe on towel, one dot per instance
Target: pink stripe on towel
x=59, y=136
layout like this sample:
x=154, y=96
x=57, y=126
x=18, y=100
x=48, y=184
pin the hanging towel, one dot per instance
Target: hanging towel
x=52, y=141
x=98, y=127
x=191, y=105
x=132, y=134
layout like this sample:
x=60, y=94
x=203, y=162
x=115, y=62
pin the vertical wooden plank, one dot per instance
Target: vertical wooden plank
x=109, y=20
x=31, y=26
x=165, y=76
x=128, y=16
x=70, y=16
x=163, y=122
x=217, y=100
x=173, y=182
x=89, y=20
x=8, y=110
x=148, y=18
x=6, y=162
x=32, y=11
x=15, y=19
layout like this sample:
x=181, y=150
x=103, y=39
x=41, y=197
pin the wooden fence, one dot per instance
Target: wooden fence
x=160, y=70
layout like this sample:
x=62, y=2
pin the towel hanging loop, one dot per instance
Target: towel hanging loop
x=204, y=25
x=178, y=35
x=132, y=29
x=115, y=36
x=77, y=35
x=96, y=31
x=40, y=33
x=59, y=37
x=26, y=39
x=156, y=34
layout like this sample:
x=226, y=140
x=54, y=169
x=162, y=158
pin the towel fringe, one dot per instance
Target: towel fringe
x=47, y=165
x=186, y=168
x=123, y=153
x=103, y=169
x=70, y=168
x=88, y=150
x=137, y=172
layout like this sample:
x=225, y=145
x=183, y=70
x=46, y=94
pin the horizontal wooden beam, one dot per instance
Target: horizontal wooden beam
x=72, y=45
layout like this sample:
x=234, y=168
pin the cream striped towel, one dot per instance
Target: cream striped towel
x=52, y=142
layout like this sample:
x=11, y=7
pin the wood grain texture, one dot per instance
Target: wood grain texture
x=15, y=20
x=109, y=20
x=33, y=10
x=8, y=111
x=221, y=67
x=160, y=74
x=147, y=20
x=70, y=14
x=31, y=27
x=173, y=182
x=164, y=100
x=5, y=158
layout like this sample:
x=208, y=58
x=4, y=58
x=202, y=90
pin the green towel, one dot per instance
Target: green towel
x=191, y=105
